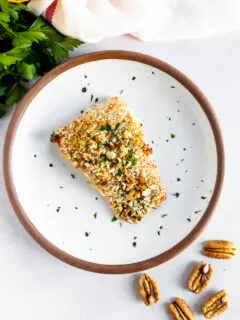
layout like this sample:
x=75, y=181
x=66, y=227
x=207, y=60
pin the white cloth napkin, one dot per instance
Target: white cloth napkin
x=149, y=20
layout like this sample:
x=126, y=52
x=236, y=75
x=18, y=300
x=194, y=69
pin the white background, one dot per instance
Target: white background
x=35, y=285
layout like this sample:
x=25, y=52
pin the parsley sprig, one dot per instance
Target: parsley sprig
x=29, y=46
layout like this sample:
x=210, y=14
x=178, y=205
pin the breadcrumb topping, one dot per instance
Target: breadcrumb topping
x=106, y=143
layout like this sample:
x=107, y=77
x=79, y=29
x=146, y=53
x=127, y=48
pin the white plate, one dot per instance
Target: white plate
x=187, y=147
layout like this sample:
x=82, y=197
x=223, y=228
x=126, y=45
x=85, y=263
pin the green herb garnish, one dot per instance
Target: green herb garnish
x=114, y=219
x=58, y=209
x=72, y=175
x=203, y=198
x=84, y=89
x=50, y=165
x=134, y=161
x=176, y=194
x=130, y=154
x=172, y=135
x=188, y=219
x=87, y=234
x=133, y=78
x=29, y=46
x=95, y=215
x=134, y=244
x=107, y=127
x=119, y=173
x=103, y=158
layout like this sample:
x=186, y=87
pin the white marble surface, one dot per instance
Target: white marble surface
x=35, y=285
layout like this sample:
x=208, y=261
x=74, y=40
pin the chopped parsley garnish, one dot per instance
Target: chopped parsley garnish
x=153, y=72
x=188, y=219
x=103, y=158
x=107, y=127
x=87, y=234
x=50, y=165
x=161, y=227
x=96, y=100
x=58, y=209
x=172, y=87
x=197, y=211
x=60, y=187
x=177, y=194
x=203, y=198
x=121, y=91
x=130, y=154
x=95, y=215
x=172, y=135
x=96, y=198
x=134, y=244
x=135, y=238
x=184, y=149
x=202, y=180
x=119, y=173
x=35, y=156
x=82, y=111
x=164, y=215
x=84, y=89
x=159, y=233
x=133, y=78
x=91, y=97
x=76, y=208
x=178, y=179
x=193, y=123
x=114, y=219
x=85, y=76
x=72, y=175
x=134, y=161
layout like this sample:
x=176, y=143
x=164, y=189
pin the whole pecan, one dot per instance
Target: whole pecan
x=216, y=305
x=219, y=249
x=200, y=277
x=180, y=310
x=148, y=290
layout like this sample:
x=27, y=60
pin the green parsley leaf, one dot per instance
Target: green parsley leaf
x=177, y=194
x=134, y=244
x=27, y=71
x=95, y=215
x=119, y=173
x=134, y=161
x=26, y=38
x=130, y=154
x=14, y=95
x=114, y=219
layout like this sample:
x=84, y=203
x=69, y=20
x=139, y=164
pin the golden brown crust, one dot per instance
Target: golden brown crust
x=106, y=143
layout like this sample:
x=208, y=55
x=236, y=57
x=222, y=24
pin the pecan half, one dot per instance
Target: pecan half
x=180, y=310
x=215, y=305
x=200, y=277
x=219, y=249
x=148, y=290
